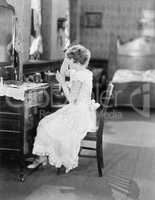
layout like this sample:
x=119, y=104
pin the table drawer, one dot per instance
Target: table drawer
x=10, y=140
x=12, y=123
x=37, y=97
x=9, y=104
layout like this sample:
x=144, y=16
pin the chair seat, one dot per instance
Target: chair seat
x=90, y=136
x=94, y=135
x=93, y=129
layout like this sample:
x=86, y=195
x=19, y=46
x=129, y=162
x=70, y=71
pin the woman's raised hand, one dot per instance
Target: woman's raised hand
x=60, y=78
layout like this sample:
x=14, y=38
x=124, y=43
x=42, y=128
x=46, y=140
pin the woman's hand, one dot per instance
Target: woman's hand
x=65, y=67
x=60, y=78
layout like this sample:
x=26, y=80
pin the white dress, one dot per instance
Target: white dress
x=59, y=134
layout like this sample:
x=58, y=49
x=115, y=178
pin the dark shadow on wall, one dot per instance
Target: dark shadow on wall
x=46, y=28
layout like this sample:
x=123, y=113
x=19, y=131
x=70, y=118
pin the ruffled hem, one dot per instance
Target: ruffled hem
x=55, y=161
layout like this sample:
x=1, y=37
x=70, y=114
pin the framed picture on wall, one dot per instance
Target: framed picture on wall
x=93, y=19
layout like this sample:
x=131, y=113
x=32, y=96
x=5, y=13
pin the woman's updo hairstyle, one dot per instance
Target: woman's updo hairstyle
x=79, y=54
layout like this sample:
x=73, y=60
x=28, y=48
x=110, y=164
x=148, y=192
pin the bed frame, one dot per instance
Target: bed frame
x=135, y=94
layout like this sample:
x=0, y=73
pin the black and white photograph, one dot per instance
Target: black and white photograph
x=77, y=99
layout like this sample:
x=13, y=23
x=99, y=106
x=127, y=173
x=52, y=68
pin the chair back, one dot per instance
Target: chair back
x=107, y=98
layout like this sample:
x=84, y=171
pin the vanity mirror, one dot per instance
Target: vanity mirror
x=8, y=55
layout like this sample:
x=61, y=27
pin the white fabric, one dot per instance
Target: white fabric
x=18, y=92
x=36, y=5
x=59, y=134
x=122, y=76
x=36, y=45
x=137, y=47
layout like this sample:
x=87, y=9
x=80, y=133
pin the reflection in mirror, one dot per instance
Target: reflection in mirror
x=36, y=48
x=6, y=32
x=7, y=38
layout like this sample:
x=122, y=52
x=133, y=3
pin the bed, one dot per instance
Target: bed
x=133, y=75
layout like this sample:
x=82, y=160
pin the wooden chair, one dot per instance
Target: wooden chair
x=96, y=136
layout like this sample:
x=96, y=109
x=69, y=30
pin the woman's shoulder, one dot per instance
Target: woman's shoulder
x=84, y=74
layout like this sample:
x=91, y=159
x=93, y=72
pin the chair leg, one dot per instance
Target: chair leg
x=99, y=160
x=102, y=163
x=101, y=153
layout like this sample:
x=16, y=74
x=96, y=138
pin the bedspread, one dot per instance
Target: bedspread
x=125, y=76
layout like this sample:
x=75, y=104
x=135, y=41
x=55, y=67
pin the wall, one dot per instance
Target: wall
x=51, y=11
x=75, y=11
x=120, y=18
x=47, y=28
x=22, y=8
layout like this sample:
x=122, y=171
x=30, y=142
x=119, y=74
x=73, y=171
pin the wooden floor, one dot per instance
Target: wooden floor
x=129, y=174
x=129, y=153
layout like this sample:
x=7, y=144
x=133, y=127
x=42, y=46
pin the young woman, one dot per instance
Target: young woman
x=59, y=134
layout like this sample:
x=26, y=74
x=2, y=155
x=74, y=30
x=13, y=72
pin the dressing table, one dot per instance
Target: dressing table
x=20, y=111
x=21, y=108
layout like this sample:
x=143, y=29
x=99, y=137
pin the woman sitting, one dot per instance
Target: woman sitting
x=59, y=134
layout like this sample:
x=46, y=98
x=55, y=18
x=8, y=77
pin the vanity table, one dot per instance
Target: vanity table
x=21, y=108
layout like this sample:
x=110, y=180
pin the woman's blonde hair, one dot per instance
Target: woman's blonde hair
x=79, y=54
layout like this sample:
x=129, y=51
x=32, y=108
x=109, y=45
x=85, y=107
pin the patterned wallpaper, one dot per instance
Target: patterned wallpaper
x=22, y=8
x=120, y=18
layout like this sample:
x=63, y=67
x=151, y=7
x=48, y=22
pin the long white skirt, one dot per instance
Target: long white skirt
x=59, y=135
